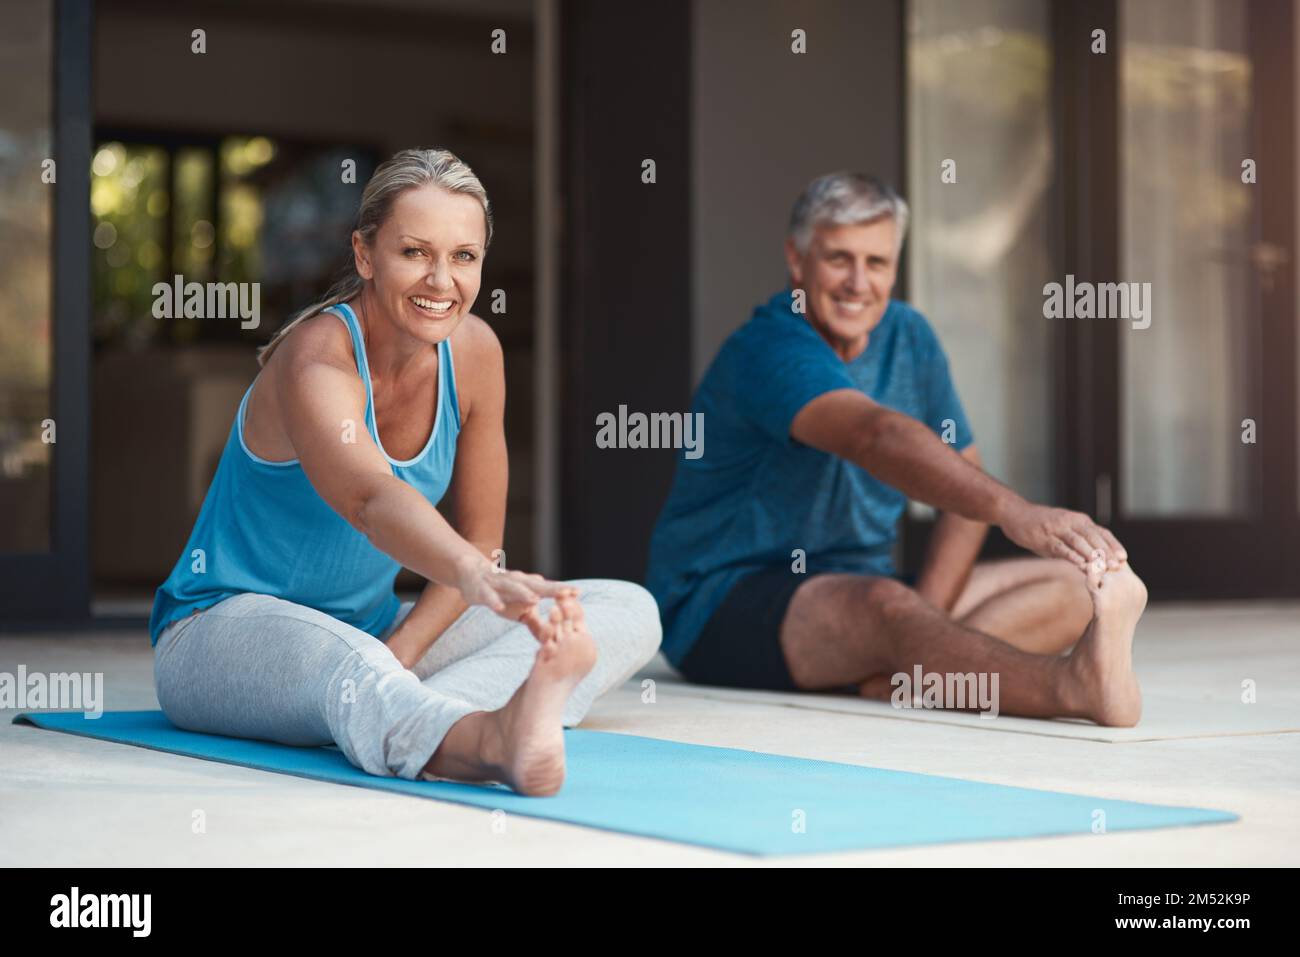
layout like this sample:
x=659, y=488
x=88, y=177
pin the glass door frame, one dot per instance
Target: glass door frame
x=1182, y=557
x=1252, y=556
x=54, y=586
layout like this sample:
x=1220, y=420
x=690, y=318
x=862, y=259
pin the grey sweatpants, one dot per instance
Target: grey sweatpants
x=255, y=666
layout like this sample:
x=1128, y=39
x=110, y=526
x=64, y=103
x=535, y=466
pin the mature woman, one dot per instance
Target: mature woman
x=279, y=620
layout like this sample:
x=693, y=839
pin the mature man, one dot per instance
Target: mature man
x=771, y=560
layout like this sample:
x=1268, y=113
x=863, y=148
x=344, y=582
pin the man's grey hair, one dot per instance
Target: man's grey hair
x=845, y=199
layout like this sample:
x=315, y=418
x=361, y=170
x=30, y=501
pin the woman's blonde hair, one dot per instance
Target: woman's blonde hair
x=407, y=169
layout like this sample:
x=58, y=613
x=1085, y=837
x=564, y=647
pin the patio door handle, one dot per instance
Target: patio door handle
x=1102, y=491
x=1267, y=258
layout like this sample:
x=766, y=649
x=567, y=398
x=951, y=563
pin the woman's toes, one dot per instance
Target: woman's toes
x=533, y=622
x=572, y=608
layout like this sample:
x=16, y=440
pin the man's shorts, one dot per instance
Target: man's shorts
x=740, y=645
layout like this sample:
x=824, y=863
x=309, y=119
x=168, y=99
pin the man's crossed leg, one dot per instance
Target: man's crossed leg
x=1013, y=618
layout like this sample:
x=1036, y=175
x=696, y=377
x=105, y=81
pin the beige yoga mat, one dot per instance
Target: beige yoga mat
x=1164, y=717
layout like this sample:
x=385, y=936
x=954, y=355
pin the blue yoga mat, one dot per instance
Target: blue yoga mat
x=741, y=801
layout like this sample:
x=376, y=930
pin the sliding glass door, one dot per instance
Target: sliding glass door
x=44, y=331
x=1203, y=446
x=1139, y=155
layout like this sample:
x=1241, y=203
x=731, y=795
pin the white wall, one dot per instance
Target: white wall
x=766, y=122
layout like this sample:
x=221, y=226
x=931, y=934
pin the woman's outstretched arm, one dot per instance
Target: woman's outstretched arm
x=478, y=486
x=321, y=403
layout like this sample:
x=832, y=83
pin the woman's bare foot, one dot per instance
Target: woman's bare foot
x=532, y=730
x=1101, y=664
x=529, y=740
x=522, y=744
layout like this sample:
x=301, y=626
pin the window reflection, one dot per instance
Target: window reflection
x=1185, y=127
x=979, y=72
x=229, y=209
x=26, y=321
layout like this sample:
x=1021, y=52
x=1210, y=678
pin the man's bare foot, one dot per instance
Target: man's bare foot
x=877, y=688
x=529, y=745
x=1101, y=664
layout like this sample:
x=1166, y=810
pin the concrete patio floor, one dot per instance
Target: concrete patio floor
x=73, y=801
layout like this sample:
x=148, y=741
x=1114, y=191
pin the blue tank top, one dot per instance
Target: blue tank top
x=264, y=529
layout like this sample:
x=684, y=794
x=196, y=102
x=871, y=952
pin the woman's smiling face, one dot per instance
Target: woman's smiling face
x=426, y=260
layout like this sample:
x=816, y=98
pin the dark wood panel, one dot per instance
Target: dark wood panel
x=625, y=291
x=1273, y=92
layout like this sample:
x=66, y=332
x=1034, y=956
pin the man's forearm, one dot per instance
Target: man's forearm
x=955, y=543
x=904, y=453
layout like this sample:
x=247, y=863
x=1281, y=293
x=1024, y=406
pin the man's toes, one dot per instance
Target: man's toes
x=1095, y=570
x=877, y=687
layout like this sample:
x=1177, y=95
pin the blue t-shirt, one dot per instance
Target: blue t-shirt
x=755, y=494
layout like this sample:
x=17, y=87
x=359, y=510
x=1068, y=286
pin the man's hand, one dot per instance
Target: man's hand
x=1059, y=533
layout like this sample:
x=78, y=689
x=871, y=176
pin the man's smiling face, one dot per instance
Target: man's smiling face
x=847, y=273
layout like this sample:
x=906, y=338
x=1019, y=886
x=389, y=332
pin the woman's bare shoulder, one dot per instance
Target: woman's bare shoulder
x=315, y=356
x=479, y=362
x=312, y=360
x=476, y=339
x=477, y=351
x=322, y=339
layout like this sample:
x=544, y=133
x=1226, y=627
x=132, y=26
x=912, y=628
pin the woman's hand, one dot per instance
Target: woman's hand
x=566, y=616
x=510, y=594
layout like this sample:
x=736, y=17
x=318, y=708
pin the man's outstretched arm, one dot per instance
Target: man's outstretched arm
x=904, y=453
